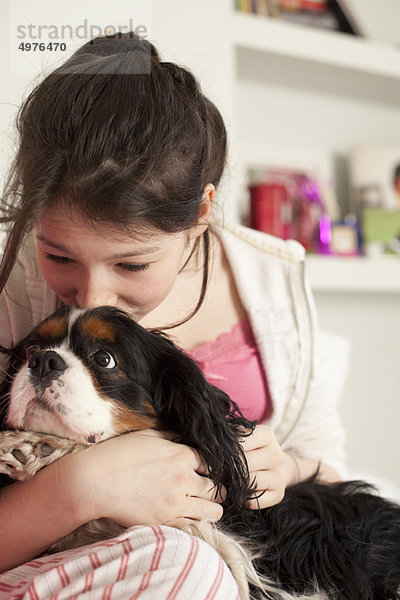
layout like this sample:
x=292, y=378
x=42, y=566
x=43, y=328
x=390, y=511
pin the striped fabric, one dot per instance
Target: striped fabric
x=158, y=563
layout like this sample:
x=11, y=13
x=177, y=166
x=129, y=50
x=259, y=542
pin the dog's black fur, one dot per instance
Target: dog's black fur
x=341, y=539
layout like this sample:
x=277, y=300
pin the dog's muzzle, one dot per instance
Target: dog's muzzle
x=46, y=366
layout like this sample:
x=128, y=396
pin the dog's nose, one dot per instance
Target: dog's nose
x=46, y=363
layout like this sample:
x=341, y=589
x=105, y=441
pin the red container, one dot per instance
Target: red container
x=271, y=209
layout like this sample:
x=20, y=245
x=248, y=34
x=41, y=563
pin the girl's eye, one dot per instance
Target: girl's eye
x=133, y=268
x=61, y=260
x=104, y=359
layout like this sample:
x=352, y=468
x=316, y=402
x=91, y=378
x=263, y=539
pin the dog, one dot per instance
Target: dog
x=339, y=541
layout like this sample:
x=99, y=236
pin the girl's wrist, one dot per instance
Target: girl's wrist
x=75, y=480
x=298, y=469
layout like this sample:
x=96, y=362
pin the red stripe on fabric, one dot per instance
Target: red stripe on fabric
x=107, y=544
x=127, y=548
x=123, y=567
x=32, y=592
x=124, y=560
x=88, y=582
x=160, y=545
x=35, y=564
x=127, y=544
x=6, y=587
x=110, y=543
x=94, y=560
x=194, y=550
x=158, y=532
x=63, y=575
x=107, y=592
x=216, y=582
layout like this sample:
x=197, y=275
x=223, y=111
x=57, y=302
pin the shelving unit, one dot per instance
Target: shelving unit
x=331, y=48
x=316, y=90
x=354, y=275
x=307, y=92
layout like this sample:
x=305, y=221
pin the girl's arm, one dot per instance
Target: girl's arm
x=34, y=514
x=297, y=469
x=133, y=479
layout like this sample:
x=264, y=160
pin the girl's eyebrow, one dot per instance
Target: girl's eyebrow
x=133, y=252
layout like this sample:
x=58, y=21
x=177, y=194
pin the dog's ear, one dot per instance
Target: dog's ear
x=16, y=357
x=206, y=419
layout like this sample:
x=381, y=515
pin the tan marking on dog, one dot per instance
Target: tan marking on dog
x=98, y=329
x=124, y=420
x=53, y=328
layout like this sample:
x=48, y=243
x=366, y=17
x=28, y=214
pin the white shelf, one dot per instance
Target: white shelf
x=358, y=274
x=254, y=32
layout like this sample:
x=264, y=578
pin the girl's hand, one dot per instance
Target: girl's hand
x=266, y=463
x=143, y=478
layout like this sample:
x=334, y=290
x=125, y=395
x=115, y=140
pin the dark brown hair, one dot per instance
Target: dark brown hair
x=120, y=138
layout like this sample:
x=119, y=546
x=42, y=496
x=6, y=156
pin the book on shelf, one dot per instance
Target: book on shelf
x=335, y=15
x=348, y=22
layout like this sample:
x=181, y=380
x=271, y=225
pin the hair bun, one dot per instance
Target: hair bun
x=118, y=43
x=182, y=76
x=175, y=72
x=133, y=44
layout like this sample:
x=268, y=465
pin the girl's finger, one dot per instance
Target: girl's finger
x=198, y=509
x=269, y=489
x=261, y=459
x=265, y=499
x=261, y=436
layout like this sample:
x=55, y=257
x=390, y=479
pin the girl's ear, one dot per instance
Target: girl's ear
x=205, y=212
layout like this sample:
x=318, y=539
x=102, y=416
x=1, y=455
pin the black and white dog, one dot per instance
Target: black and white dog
x=90, y=375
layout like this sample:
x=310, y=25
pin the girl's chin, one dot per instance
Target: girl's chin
x=68, y=302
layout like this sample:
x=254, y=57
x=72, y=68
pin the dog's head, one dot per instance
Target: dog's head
x=81, y=375
x=92, y=374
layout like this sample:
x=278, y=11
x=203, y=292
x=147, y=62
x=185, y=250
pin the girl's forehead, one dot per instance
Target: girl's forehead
x=74, y=236
x=65, y=222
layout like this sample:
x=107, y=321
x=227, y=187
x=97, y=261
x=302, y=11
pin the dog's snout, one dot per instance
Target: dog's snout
x=46, y=363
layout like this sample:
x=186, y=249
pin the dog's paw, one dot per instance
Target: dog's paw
x=24, y=453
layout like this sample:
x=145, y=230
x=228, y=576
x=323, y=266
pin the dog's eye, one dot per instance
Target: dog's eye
x=31, y=350
x=104, y=359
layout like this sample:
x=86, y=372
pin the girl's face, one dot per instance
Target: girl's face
x=88, y=268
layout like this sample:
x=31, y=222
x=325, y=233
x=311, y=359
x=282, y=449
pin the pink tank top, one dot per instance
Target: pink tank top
x=232, y=363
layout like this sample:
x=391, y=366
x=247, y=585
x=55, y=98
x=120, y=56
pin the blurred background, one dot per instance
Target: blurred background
x=310, y=93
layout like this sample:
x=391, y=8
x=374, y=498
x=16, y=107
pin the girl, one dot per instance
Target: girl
x=110, y=201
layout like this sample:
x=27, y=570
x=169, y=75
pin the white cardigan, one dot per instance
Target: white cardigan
x=270, y=278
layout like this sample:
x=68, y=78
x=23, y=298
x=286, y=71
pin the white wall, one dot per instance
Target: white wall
x=369, y=405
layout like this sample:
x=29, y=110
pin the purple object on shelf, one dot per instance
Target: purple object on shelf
x=325, y=235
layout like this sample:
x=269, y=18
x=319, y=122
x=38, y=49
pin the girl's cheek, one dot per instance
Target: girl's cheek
x=60, y=284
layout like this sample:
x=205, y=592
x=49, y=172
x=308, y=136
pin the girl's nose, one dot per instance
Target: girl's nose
x=94, y=293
